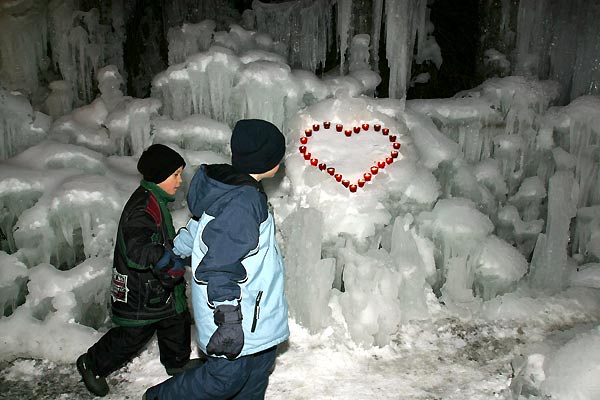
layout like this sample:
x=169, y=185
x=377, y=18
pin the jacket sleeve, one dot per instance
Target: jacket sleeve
x=138, y=232
x=230, y=237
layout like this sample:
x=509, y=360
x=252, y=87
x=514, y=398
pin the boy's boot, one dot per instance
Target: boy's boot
x=191, y=364
x=95, y=384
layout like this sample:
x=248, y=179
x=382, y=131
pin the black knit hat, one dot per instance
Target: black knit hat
x=257, y=146
x=158, y=162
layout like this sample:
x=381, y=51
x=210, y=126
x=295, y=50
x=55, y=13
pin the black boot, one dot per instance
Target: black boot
x=191, y=364
x=95, y=384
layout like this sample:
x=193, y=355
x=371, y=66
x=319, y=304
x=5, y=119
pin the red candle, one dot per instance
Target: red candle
x=394, y=154
x=338, y=177
x=314, y=162
x=385, y=131
x=361, y=182
x=345, y=182
x=348, y=132
x=303, y=140
x=316, y=127
x=396, y=145
x=326, y=124
x=392, y=138
x=352, y=188
x=322, y=166
x=307, y=156
x=356, y=129
x=367, y=176
x=389, y=160
x=381, y=164
x=374, y=170
x=330, y=171
x=302, y=149
x=365, y=127
x=377, y=127
x=339, y=127
x=307, y=132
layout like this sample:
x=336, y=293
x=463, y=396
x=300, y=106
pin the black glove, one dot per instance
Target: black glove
x=169, y=269
x=228, y=339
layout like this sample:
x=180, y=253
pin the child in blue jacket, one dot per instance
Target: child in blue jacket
x=240, y=308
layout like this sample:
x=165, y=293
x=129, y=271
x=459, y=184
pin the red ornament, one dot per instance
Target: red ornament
x=361, y=182
x=374, y=169
x=352, y=188
x=338, y=177
x=330, y=171
x=322, y=166
x=389, y=160
x=314, y=162
x=356, y=129
x=339, y=127
x=326, y=124
x=365, y=127
x=302, y=149
x=394, y=154
x=380, y=164
x=367, y=176
x=303, y=140
x=316, y=127
x=377, y=127
x=345, y=182
x=392, y=138
x=307, y=156
x=396, y=145
x=385, y=131
x=308, y=132
x=348, y=132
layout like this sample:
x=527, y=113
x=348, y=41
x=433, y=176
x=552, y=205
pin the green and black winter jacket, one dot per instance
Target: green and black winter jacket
x=137, y=295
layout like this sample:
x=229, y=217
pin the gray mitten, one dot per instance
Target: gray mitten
x=228, y=339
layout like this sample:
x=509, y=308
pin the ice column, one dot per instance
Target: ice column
x=309, y=278
x=549, y=270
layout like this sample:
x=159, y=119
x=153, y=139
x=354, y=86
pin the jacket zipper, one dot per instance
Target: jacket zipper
x=256, y=311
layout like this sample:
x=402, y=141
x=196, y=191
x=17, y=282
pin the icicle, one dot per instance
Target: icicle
x=344, y=18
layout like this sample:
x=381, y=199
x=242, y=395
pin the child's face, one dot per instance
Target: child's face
x=172, y=183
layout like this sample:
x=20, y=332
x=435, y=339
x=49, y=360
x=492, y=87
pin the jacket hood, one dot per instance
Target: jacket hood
x=213, y=182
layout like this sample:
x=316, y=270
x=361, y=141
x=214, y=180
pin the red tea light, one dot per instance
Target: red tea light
x=348, y=132
x=314, y=162
x=356, y=129
x=345, y=182
x=392, y=138
x=361, y=182
x=377, y=127
x=385, y=131
x=308, y=132
x=339, y=127
x=302, y=149
x=352, y=188
x=316, y=127
x=338, y=177
x=396, y=145
x=374, y=170
x=389, y=160
x=365, y=127
x=307, y=156
x=326, y=124
x=367, y=176
x=322, y=166
x=381, y=164
x=394, y=154
x=330, y=171
x=303, y=140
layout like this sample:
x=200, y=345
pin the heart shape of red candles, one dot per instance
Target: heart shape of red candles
x=328, y=167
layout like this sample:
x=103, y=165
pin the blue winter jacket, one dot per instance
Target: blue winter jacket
x=235, y=257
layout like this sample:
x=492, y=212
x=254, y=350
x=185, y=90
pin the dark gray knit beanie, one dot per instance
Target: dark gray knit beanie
x=158, y=162
x=257, y=146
